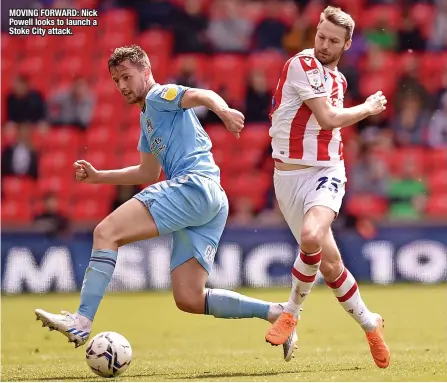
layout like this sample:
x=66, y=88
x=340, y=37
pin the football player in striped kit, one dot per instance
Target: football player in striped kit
x=310, y=177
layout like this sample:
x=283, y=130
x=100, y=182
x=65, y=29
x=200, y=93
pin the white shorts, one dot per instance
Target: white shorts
x=299, y=190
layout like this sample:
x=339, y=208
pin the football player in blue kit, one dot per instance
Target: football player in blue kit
x=190, y=204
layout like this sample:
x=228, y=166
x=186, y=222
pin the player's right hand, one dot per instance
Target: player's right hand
x=233, y=120
x=376, y=103
x=85, y=172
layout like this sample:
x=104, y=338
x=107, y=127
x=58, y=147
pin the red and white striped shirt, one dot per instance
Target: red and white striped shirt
x=297, y=138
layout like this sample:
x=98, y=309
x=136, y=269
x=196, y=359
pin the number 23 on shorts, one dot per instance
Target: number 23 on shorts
x=328, y=183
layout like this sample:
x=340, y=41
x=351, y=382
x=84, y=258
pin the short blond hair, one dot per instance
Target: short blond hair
x=135, y=54
x=336, y=16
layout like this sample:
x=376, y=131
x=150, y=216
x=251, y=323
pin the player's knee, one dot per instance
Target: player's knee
x=104, y=232
x=189, y=301
x=101, y=231
x=312, y=237
x=331, y=268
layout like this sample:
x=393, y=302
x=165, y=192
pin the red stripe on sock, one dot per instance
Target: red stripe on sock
x=336, y=284
x=310, y=259
x=349, y=294
x=302, y=277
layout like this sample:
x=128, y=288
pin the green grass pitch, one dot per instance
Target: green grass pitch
x=169, y=345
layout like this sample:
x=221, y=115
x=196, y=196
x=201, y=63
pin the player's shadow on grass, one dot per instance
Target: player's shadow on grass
x=93, y=378
x=70, y=378
x=179, y=376
x=297, y=370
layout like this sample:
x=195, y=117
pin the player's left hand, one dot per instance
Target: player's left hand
x=233, y=120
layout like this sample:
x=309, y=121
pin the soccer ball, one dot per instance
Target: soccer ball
x=108, y=354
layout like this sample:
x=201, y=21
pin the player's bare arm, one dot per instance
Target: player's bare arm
x=329, y=117
x=147, y=172
x=233, y=119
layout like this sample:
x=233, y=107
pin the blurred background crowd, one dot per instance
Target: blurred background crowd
x=59, y=104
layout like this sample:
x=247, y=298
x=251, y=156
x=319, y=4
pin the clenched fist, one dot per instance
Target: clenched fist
x=85, y=172
x=233, y=120
x=376, y=103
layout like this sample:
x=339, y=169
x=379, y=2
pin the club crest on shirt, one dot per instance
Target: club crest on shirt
x=314, y=78
x=337, y=102
x=169, y=93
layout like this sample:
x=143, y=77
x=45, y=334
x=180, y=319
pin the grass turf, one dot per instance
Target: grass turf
x=169, y=345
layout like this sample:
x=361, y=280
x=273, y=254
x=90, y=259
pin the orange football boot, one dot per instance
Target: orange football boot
x=379, y=349
x=280, y=331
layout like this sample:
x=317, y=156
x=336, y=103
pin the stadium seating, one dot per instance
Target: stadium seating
x=269, y=63
x=437, y=206
x=16, y=212
x=62, y=185
x=365, y=205
x=91, y=209
x=18, y=188
x=122, y=20
x=111, y=139
x=423, y=15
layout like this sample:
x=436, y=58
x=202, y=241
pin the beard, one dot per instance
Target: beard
x=327, y=59
x=131, y=99
x=136, y=96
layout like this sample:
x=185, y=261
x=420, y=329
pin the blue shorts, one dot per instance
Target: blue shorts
x=195, y=209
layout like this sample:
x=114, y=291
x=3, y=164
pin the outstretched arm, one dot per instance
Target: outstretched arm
x=202, y=97
x=329, y=117
x=148, y=171
x=233, y=119
x=306, y=75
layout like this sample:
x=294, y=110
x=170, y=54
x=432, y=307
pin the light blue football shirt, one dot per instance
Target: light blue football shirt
x=174, y=135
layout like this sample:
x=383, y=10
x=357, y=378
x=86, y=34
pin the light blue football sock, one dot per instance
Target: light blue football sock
x=229, y=304
x=96, y=279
